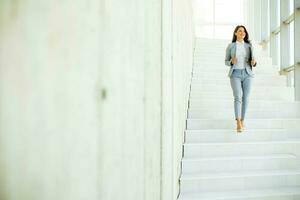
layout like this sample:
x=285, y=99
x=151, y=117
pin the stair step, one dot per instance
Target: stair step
x=240, y=173
x=278, y=193
x=196, y=89
x=236, y=163
x=252, y=112
x=222, y=70
x=226, y=135
x=256, y=94
x=195, y=99
x=194, y=124
x=238, y=148
x=224, y=75
x=239, y=180
x=268, y=105
x=271, y=82
x=221, y=62
x=219, y=52
x=207, y=57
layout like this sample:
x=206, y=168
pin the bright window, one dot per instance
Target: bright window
x=218, y=18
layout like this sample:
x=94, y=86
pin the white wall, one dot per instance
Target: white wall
x=182, y=68
x=93, y=98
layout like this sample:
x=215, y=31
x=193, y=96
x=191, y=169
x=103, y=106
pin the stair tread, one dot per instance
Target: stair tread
x=289, y=140
x=239, y=173
x=275, y=119
x=230, y=130
x=240, y=157
x=236, y=194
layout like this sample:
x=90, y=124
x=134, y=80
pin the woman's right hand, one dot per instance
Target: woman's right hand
x=233, y=60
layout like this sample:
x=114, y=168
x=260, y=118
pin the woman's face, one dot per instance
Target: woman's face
x=240, y=34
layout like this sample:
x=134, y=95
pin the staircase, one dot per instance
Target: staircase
x=262, y=162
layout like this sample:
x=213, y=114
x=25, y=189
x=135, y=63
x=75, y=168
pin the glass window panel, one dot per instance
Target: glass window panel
x=235, y=14
x=213, y=20
x=204, y=11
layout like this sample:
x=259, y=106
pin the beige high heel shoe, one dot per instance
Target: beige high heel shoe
x=238, y=126
x=242, y=124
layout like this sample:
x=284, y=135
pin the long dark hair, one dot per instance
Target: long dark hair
x=246, y=39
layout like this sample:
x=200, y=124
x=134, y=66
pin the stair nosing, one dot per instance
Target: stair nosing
x=296, y=140
x=239, y=174
x=239, y=157
x=241, y=193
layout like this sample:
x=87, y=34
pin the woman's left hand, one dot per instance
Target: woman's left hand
x=253, y=62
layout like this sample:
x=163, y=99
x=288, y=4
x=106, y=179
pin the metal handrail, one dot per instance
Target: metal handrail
x=276, y=30
x=290, y=68
x=288, y=20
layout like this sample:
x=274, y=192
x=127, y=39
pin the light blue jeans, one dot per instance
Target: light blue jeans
x=240, y=82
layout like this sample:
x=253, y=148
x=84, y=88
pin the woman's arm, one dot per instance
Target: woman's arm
x=228, y=56
x=253, y=60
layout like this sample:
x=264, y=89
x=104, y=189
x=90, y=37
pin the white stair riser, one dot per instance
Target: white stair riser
x=223, y=74
x=221, y=56
x=247, y=136
x=227, y=89
x=220, y=48
x=202, y=43
x=237, y=149
x=195, y=124
x=205, y=43
x=197, y=89
x=222, y=70
x=212, y=74
x=210, y=55
x=242, y=183
x=219, y=74
x=259, y=197
x=231, y=165
x=210, y=58
x=257, y=83
x=194, y=99
x=256, y=94
x=262, y=80
x=195, y=102
x=221, y=63
x=217, y=114
x=259, y=105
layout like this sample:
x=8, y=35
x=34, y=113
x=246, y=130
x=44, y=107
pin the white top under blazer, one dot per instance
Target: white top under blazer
x=240, y=55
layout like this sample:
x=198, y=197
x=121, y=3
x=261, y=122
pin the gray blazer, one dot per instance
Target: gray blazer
x=231, y=52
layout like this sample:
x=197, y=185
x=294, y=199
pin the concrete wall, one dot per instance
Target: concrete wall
x=176, y=70
x=93, y=98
